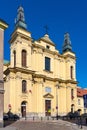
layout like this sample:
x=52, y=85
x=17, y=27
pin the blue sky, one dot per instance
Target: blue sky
x=61, y=16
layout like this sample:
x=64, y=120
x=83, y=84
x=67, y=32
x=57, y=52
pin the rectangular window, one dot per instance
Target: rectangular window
x=47, y=63
x=24, y=57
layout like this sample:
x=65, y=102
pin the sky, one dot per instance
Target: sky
x=60, y=16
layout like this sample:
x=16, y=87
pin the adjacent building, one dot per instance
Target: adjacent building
x=39, y=81
x=82, y=100
x=3, y=26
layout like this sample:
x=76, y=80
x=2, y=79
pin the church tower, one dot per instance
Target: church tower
x=69, y=57
x=19, y=70
x=70, y=65
x=20, y=42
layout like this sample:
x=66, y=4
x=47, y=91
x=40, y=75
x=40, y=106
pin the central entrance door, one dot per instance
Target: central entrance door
x=23, y=109
x=48, y=107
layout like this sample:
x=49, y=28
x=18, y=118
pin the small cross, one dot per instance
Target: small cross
x=46, y=29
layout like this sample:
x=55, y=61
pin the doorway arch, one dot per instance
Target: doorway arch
x=23, y=108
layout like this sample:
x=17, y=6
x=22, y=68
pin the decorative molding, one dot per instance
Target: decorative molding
x=56, y=57
x=68, y=60
x=48, y=95
x=18, y=77
x=24, y=95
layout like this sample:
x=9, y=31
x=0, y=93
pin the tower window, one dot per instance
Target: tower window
x=47, y=63
x=14, y=58
x=24, y=86
x=71, y=72
x=72, y=94
x=24, y=56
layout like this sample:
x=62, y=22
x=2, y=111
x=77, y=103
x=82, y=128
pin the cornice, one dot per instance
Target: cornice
x=17, y=69
x=22, y=36
x=69, y=56
x=3, y=24
x=54, y=52
x=54, y=79
x=18, y=33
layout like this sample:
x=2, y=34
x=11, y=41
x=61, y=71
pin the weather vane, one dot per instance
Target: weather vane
x=46, y=29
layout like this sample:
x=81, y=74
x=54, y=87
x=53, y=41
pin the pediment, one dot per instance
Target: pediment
x=48, y=95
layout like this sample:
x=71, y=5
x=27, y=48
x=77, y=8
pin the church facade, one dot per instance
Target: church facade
x=39, y=81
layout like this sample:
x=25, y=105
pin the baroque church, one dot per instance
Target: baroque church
x=38, y=80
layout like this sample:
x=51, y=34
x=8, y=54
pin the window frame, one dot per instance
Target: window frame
x=72, y=94
x=47, y=63
x=24, y=86
x=14, y=52
x=71, y=72
x=24, y=58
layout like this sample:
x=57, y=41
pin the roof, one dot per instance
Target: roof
x=81, y=92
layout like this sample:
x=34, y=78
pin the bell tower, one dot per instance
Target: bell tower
x=20, y=42
x=70, y=58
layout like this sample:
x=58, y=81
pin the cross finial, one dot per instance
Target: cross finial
x=46, y=29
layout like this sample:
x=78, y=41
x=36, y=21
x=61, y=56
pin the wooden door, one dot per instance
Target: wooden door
x=48, y=107
x=23, y=109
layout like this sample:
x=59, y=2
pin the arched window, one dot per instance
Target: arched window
x=72, y=94
x=24, y=86
x=71, y=72
x=14, y=58
x=24, y=56
x=72, y=108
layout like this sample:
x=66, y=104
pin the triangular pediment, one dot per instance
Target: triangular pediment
x=46, y=39
x=48, y=95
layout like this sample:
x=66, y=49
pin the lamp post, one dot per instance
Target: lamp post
x=57, y=86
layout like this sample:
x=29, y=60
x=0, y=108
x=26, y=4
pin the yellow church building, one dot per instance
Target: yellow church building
x=39, y=81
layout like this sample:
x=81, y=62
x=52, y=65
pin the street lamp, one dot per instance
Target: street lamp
x=57, y=86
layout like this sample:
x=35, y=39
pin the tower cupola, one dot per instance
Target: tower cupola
x=20, y=20
x=67, y=43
